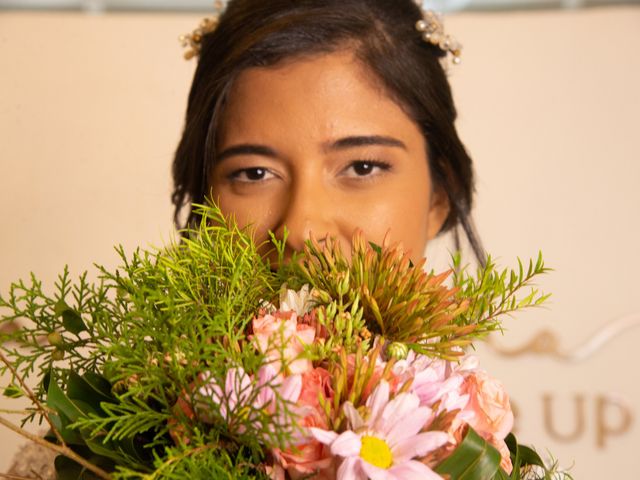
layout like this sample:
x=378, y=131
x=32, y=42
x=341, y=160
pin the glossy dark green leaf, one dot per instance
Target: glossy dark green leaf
x=58, y=401
x=529, y=456
x=72, y=322
x=473, y=459
x=89, y=392
x=67, y=469
x=134, y=449
x=71, y=437
x=86, y=408
x=98, y=383
x=126, y=451
x=70, y=410
x=71, y=319
x=96, y=446
x=521, y=456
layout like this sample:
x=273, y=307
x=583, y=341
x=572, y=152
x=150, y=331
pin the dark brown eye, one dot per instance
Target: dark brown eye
x=366, y=168
x=363, y=168
x=248, y=175
x=255, y=173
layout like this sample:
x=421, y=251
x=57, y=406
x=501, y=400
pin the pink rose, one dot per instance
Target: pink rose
x=280, y=337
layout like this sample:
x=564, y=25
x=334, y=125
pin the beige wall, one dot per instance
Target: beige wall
x=91, y=109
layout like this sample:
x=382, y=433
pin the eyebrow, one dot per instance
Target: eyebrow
x=246, y=149
x=365, y=141
x=340, y=144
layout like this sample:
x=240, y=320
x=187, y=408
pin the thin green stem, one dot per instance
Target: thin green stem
x=32, y=397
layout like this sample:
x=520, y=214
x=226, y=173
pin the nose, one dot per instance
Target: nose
x=308, y=210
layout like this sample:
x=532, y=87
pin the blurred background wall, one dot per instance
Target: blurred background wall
x=91, y=109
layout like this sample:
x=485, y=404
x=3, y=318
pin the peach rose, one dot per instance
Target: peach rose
x=316, y=382
x=492, y=416
x=312, y=458
x=309, y=456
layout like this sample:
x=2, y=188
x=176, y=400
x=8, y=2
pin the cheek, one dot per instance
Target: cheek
x=258, y=216
x=399, y=216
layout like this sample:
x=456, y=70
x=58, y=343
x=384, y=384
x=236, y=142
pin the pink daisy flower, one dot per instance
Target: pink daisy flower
x=241, y=396
x=384, y=444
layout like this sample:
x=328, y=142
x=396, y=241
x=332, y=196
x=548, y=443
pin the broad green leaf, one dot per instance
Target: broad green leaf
x=67, y=469
x=521, y=456
x=73, y=322
x=89, y=392
x=98, y=383
x=529, y=456
x=58, y=401
x=70, y=436
x=103, y=450
x=70, y=318
x=73, y=410
x=473, y=459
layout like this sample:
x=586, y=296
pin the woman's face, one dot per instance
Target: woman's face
x=316, y=145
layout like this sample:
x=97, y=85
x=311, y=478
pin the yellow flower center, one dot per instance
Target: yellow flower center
x=376, y=452
x=243, y=412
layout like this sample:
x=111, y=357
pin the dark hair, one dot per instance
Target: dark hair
x=382, y=35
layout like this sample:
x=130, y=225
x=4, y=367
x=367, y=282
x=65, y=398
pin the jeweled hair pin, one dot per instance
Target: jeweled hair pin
x=430, y=27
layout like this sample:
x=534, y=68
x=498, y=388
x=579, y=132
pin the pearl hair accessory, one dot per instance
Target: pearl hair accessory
x=430, y=26
x=432, y=30
x=193, y=40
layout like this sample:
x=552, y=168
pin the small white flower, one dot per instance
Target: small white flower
x=300, y=302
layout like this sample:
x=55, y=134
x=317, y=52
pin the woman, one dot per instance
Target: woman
x=326, y=116
x=323, y=116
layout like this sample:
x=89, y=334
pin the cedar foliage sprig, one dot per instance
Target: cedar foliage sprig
x=60, y=327
x=493, y=293
x=148, y=329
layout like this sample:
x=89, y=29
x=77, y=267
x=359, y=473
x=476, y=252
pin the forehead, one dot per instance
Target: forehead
x=322, y=97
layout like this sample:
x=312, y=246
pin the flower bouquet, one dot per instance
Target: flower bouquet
x=202, y=360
